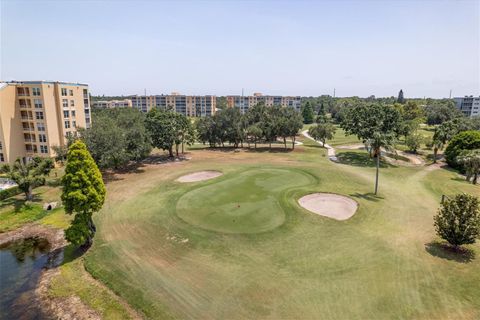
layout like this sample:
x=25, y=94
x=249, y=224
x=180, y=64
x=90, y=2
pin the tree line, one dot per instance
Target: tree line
x=259, y=124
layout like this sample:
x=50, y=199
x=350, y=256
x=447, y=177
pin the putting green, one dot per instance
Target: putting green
x=248, y=202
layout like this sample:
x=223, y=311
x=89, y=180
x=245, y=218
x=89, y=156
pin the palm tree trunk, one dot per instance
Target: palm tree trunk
x=285, y=142
x=435, y=150
x=376, y=174
x=293, y=143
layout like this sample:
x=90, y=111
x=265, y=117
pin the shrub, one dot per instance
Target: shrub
x=458, y=220
x=467, y=140
x=10, y=192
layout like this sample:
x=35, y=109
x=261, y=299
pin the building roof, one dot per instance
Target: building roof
x=14, y=82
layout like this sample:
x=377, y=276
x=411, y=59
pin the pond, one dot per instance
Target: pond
x=21, y=263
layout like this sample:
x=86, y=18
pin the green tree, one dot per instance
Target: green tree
x=307, y=113
x=28, y=174
x=293, y=123
x=471, y=162
x=467, y=140
x=376, y=125
x=413, y=141
x=438, y=112
x=162, y=127
x=60, y=153
x=458, y=220
x=322, y=132
x=106, y=142
x=412, y=111
x=443, y=133
x=83, y=194
x=254, y=133
x=322, y=114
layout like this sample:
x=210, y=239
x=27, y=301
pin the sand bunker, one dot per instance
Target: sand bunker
x=329, y=205
x=199, y=176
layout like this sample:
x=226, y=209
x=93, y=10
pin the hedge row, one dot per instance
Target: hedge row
x=10, y=192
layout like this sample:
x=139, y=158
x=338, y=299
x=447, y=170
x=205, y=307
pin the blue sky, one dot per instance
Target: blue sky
x=219, y=47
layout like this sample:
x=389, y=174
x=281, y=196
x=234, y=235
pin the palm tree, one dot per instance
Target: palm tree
x=471, y=161
x=375, y=145
x=27, y=174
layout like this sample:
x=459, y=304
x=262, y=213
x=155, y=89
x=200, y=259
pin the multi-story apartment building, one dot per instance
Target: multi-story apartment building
x=469, y=105
x=109, y=104
x=191, y=106
x=36, y=115
x=246, y=102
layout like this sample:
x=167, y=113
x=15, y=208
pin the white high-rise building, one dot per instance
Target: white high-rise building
x=469, y=105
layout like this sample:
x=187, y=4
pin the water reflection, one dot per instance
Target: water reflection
x=21, y=263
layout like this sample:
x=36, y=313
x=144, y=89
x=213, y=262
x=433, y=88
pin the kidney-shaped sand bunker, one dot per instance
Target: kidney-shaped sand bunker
x=199, y=176
x=329, y=205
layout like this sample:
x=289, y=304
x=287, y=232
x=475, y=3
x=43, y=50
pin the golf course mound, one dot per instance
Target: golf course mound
x=329, y=205
x=199, y=176
x=251, y=201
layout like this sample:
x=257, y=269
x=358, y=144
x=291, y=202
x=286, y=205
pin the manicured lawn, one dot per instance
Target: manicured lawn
x=15, y=212
x=340, y=138
x=240, y=247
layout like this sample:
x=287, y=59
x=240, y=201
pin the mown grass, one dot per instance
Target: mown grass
x=377, y=265
x=73, y=279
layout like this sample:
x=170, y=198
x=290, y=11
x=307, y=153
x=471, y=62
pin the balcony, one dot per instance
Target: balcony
x=27, y=118
x=30, y=140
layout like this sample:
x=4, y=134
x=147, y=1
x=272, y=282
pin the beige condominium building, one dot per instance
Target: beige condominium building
x=109, y=104
x=191, y=106
x=246, y=102
x=36, y=115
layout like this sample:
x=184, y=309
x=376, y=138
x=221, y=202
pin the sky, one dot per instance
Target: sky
x=307, y=48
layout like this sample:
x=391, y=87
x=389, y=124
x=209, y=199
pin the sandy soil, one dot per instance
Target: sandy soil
x=356, y=146
x=329, y=205
x=199, y=176
x=53, y=236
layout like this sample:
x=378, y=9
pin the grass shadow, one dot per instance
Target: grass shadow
x=369, y=196
x=17, y=204
x=445, y=251
x=71, y=253
x=360, y=159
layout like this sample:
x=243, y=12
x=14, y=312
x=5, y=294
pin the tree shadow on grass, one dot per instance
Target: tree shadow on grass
x=360, y=159
x=445, y=251
x=370, y=196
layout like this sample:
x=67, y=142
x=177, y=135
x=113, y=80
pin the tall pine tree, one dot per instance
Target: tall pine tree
x=83, y=194
x=400, y=98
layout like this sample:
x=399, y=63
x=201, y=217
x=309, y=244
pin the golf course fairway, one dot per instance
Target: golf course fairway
x=239, y=246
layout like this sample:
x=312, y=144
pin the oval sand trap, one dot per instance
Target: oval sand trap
x=329, y=205
x=199, y=176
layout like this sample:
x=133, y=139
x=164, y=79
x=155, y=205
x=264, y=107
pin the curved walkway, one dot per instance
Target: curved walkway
x=330, y=150
x=414, y=160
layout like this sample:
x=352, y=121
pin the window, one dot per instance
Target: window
x=25, y=103
x=66, y=114
x=64, y=92
x=65, y=103
x=23, y=91
x=38, y=103
x=43, y=149
x=2, y=159
x=1, y=146
x=67, y=124
x=39, y=115
x=73, y=113
x=70, y=92
x=74, y=123
x=87, y=111
x=36, y=91
x=42, y=137
x=72, y=103
x=40, y=126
